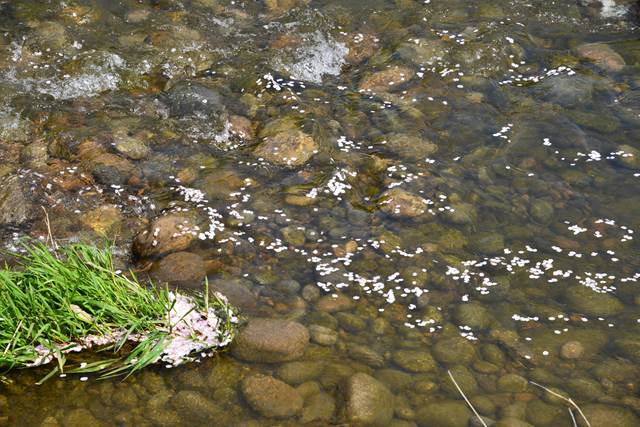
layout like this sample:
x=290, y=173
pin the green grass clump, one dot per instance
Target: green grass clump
x=57, y=298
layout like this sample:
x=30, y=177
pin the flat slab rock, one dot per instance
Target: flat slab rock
x=271, y=341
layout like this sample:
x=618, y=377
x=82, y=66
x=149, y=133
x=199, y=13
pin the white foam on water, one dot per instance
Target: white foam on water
x=319, y=55
x=611, y=10
x=95, y=79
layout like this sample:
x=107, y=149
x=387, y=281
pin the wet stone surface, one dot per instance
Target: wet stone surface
x=393, y=193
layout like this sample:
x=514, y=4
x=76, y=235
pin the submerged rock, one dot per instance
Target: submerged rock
x=400, y=203
x=166, y=234
x=585, y=300
x=443, y=414
x=602, y=55
x=290, y=148
x=271, y=397
x=604, y=415
x=455, y=350
x=15, y=207
x=183, y=269
x=318, y=407
x=186, y=98
x=414, y=360
x=271, y=341
x=369, y=402
x=387, y=80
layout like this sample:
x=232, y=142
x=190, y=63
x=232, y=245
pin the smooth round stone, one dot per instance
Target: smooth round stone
x=369, y=402
x=572, y=350
x=454, y=350
x=587, y=301
x=366, y=355
x=271, y=397
x=271, y=341
x=605, y=415
x=512, y=383
x=323, y=335
x=331, y=304
x=446, y=413
x=318, y=407
x=295, y=373
x=540, y=413
x=414, y=360
x=183, y=269
x=310, y=293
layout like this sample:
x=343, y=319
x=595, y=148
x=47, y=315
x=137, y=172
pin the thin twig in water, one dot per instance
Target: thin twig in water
x=49, y=234
x=566, y=399
x=465, y=399
x=573, y=418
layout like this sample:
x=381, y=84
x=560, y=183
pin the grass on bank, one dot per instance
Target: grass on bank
x=56, y=302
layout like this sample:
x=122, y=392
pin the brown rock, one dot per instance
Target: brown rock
x=400, y=203
x=369, y=402
x=242, y=127
x=183, y=269
x=289, y=148
x=602, y=55
x=330, y=304
x=386, y=80
x=271, y=397
x=271, y=341
x=166, y=234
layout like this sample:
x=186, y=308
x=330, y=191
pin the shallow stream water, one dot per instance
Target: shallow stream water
x=426, y=193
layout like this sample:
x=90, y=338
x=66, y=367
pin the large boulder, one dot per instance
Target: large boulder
x=369, y=402
x=271, y=397
x=271, y=341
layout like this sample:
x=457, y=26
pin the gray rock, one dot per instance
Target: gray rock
x=186, y=98
x=237, y=291
x=271, y=397
x=271, y=341
x=15, y=207
x=368, y=401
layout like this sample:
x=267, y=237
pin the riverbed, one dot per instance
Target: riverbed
x=425, y=211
